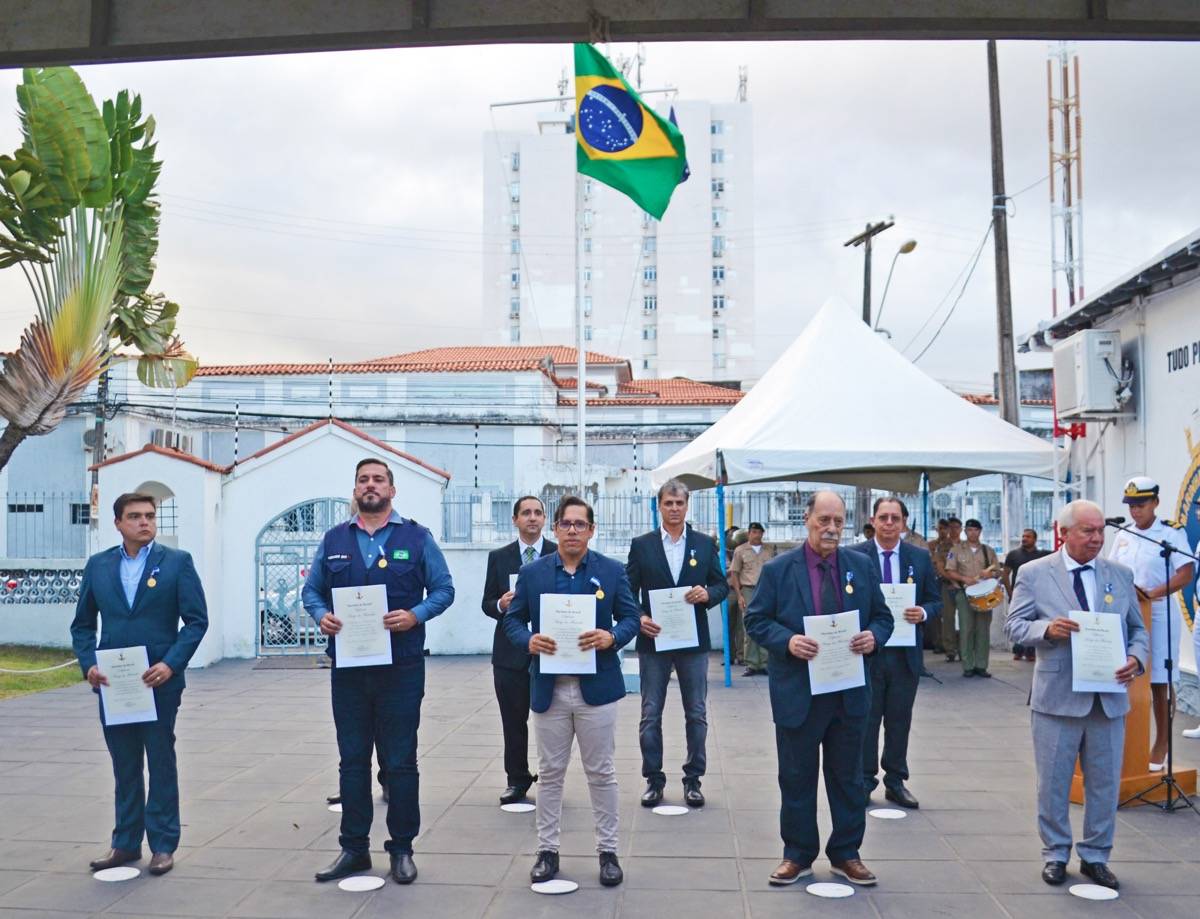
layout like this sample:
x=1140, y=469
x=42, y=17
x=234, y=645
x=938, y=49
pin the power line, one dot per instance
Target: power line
x=966, y=280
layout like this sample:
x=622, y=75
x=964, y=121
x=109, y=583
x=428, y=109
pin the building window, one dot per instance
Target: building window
x=716, y=332
x=588, y=187
x=718, y=156
x=718, y=216
x=718, y=274
x=516, y=161
x=514, y=246
x=649, y=333
x=515, y=220
x=649, y=302
x=514, y=192
x=587, y=274
x=649, y=245
x=81, y=514
x=718, y=246
x=514, y=307
x=587, y=306
x=587, y=220
x=514, y=334
x=716, y=127
x=27, y=508
x=718, y=187
x=650, y=274
x=587, y=333
x=646, y=363
x=647, y=220
x=587, y=244
x=718, y=361
x=718, y=302
x=515, y=278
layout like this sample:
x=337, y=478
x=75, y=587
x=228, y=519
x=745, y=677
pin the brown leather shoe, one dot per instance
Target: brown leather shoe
x=114, y=858
x=854, y=871
x=789, y=872
x=161, y=862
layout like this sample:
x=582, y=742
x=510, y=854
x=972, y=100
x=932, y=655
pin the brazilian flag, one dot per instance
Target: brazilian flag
x=621, y=141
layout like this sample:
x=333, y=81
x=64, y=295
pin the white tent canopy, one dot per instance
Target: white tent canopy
x=843, y=406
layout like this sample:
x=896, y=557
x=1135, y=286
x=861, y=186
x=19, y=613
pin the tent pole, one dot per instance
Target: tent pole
x=925, y=505
x=721, y=556
x=654, y=510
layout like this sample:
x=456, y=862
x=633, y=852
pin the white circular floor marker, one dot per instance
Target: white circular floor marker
x=670, y=810
x=335, y=808
x=888, y=813
x=555, y=886
x=518, y=807
x=1093, y=892
x=360, y=882
x=122, y=873
x=829, y=890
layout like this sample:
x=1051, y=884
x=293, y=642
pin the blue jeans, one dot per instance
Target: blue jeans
x=692, y=669
x=152, y=742
x=379, y=707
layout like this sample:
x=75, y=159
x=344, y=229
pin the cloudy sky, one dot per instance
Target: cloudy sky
x=330, y=204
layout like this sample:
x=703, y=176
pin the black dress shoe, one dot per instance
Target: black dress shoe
x=515, y=792
x=334, y=799
x=1099, y=873
x=346, y=864
x=383, y=793
x=610, y=870
x=692, y=795
x=114, y=858
x=1054, y=873
x=979, y=671
x=652, y=796
x=545, y=867
x=968, y=673
x=404, y=871
x=901, y=796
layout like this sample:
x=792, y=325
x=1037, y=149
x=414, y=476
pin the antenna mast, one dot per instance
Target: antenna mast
x=1066, y=174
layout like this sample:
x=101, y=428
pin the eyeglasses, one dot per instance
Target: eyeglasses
x=578, y=526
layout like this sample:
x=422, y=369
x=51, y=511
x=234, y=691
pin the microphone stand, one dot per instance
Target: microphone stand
x=1176, y=799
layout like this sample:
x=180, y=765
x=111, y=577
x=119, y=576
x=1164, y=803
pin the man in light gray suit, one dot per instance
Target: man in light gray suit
x=1067, y=725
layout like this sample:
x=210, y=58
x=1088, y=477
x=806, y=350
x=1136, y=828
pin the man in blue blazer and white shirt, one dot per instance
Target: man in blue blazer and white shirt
x=1070, y=725
x=673, y=556
x=895, y=672
x=584, y=707
x=819, y=578
x=140, y=590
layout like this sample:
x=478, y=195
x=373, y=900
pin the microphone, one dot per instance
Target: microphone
x=1114, y=521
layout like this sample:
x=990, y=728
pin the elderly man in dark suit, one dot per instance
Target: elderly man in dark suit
x=142, y=590
x=674, y=556
x=896, y=671
x=1070, y=725
x=510, y=664
x=581, y=707
x=819, y=578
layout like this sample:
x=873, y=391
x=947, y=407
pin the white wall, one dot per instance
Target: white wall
x=46, y=624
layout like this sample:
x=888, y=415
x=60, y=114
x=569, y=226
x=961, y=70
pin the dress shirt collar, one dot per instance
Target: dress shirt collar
x=1072, y=564
x=669, y=540
x=535, y=546
x=357, y=522
x=143, y=552
x=558, y=560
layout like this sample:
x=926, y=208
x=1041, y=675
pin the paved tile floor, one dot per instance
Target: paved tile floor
x=257, y=757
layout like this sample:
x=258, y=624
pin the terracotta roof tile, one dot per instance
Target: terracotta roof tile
x=989, y=399
x=162, y=451
x=676, y=391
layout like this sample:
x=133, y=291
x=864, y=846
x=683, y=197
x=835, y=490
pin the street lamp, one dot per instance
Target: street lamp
x=906, y=247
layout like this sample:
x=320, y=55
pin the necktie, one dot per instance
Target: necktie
x=829, y=595
x=528, y=554
x=1080, y=593
x=887, y=566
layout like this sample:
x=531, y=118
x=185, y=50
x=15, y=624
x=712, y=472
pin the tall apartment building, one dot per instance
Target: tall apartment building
x=676, y=298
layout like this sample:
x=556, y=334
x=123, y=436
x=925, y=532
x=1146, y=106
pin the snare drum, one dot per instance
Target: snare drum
x=985, y=596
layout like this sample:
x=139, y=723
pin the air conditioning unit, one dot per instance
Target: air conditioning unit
x=1088, y=375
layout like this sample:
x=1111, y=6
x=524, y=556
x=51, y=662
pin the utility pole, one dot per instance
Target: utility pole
x=1012, y=507
x=862, y=494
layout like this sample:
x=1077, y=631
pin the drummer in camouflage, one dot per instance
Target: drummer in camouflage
x=969, y=565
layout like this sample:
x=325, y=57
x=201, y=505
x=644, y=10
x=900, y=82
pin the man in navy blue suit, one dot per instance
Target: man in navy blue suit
x=142, y=589
x=819, y=578
x=896, y=671
x=583, y=707
x=674, y=556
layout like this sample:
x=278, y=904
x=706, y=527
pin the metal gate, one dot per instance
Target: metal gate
x=284, y=550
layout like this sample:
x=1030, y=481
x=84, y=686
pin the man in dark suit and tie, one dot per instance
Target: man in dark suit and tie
x=510, y=664
x=674, y=556
x=142, y=590
x=896, y=671
x=818, y=579
x=581, y=706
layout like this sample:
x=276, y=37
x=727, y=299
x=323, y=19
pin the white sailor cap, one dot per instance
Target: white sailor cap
x=1140, y=488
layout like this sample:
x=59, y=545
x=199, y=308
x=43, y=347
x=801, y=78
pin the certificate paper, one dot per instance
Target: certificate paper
x=899, y=598
x=126, y=699
x=676, y=617
x=364, y=641
x=835, y=667
x=1097, y=652
x=564, y=617
x=512, y=582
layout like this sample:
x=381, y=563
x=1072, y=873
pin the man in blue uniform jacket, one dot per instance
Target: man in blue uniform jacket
x=569, y=707
x=142, y=590
x=818, y=579
x=674, y=556
x=379, y=707
x=895, y=672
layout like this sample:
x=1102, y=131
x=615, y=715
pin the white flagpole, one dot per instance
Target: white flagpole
x=581, y=353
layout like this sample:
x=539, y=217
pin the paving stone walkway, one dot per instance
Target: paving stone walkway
x=257, y=758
